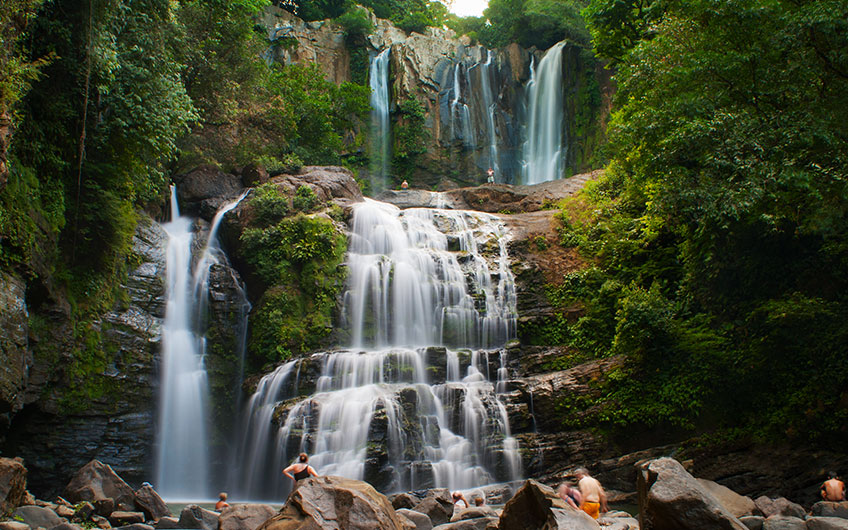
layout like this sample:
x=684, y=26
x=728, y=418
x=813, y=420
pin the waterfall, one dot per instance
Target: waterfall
x=182, y=451
x=397, y=409
x=460, y=112
x=543, y=149
x=378, y=78
x=490, y=107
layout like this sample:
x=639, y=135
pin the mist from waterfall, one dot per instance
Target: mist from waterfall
x=543, y=149
x=182, y=463
x=396, y=408
x=380, y=133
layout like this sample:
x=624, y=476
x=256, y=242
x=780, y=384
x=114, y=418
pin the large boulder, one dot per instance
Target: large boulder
x=195, y=517
x=13, y=476
x=13, y=525
x=149, y=502
x=670, y=498
x=421, y=521
x=536, y=506
x=335, y=503
x=37, y=516
x=738, y=505
x=779, y=506
x=435, y=503
x=830, y=509
x=96, y=482
x=753, y=522
x=167, y=523
x=827, y=523
x=205, y=183
x=245, y=516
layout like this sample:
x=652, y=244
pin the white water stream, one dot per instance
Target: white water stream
x=544, y=150
x=182, y=463
x=378, y=79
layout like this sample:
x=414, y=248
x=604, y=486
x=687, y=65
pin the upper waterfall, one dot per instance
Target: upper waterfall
x=543, y=149
x=378, y=79
x=419, y=277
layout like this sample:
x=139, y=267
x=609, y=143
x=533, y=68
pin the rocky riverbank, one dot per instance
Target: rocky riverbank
x=669, y=498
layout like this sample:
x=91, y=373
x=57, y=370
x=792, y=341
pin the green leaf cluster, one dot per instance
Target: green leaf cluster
x=719, y=230
x=410, y=137
x=299, y=259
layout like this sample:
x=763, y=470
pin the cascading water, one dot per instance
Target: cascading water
x=399, y=409
x=182, y=450
x=543, y=149
x=378, y=79
x=459, y=112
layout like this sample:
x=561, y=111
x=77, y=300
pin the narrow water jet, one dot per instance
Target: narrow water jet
x=544, y=148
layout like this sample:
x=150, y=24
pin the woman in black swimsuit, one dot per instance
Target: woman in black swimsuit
x=301, y=469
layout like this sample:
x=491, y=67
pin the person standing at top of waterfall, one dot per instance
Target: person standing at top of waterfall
x=404, y=185
x=300, y=469
x=594, y=496
x=833, y=489
x=490, y=176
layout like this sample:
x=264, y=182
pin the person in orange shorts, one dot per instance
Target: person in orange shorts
x=594, y=497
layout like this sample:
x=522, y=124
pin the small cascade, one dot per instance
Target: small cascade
x=378, y=79
x=399, y=409
x=544, y=148
x=182, y=450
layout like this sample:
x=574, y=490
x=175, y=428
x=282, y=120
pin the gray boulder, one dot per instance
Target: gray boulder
x=670, y=499
x=149, y=502
x=84, y=510
x=245, y=516
x=827, y=523
x=195, y=517
x=784, y=522
x=738, y=505
x=335, y=503
x=421, y=521
x=403, y=501
x=536, y=506
x=167, y=523
x=36, y=516
x=100, y=522
x=13, y=477
x=779, y=506
x=830, y=509
x=98, y=482
x=437, y=505
x=753, y=522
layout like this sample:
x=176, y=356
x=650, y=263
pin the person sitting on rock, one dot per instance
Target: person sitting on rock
x=594, y=496
x=458, y=496
x=222, y=502
x=404, y=185
x=833, y=489
x=301, y=469
x=570, y=495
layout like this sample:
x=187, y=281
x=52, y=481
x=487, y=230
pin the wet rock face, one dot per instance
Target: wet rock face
x=14, y=353
x=205, y=183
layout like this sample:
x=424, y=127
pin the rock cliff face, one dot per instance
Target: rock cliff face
x=473, y=98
